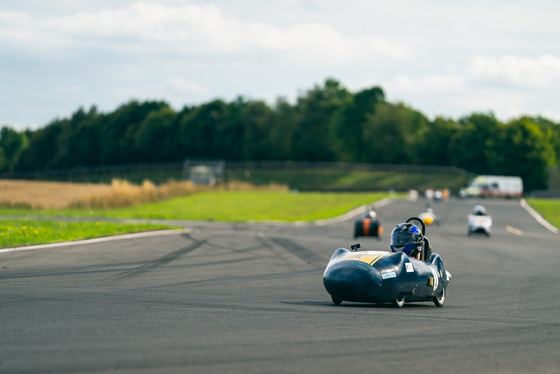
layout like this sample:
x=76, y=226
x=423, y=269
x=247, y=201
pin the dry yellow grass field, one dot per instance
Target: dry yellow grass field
x=120, y=193
x=56, y=195
x=123, y=194
x=39, y=194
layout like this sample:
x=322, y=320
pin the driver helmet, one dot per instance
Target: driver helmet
x=370, y=214
x=479, y=210
x=406, y=237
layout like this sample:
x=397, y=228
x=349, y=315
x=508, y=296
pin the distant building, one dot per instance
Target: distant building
x=204, y=172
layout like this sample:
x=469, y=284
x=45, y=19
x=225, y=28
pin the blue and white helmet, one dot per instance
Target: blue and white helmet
x=406, y=238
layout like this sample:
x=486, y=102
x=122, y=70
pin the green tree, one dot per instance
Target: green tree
x=551, y=131
x=470, y=142
x=87, y=143
x=390, y=134
x=313, y=136
x=173, y=145
x=41, y=148
x=284, y=122
x=78, y=142
x=520, y=148
x=327, y=123
x=152, y=136
x=434, y=142
x=349, y=124
x=257, y=119
x=197, y=131
x=12, y=144
x=119, y=128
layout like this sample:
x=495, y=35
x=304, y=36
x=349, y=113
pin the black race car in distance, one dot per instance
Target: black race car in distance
x=368, y=225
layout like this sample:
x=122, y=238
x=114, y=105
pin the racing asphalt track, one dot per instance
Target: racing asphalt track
x=248, y=298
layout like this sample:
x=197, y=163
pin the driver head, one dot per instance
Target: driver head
x=406, y=237
x=479, y=210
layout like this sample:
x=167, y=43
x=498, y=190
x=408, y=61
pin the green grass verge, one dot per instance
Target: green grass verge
x=25, y=231
x=230, y=206
x=242, y=206
x=548, y=208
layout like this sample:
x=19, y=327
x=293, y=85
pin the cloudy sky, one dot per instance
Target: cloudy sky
x=448, y=58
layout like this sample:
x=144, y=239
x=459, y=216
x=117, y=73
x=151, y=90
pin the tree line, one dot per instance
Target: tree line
x=326, y=123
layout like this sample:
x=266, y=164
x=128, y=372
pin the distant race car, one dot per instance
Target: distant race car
x=429, y=194
x=479, y=221
x=381, y=277
x=368, y=225
x=440, y=195
x=429, y=217
x=413, y=195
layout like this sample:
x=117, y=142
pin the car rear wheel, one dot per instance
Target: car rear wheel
x=399, y=300
x=439, y=299
x=336, y=300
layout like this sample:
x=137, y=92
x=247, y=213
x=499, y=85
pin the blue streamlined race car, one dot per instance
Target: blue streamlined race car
x=380, y=277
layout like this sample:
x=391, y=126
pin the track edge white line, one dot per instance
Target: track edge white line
x=538, y=217
x=94, y=240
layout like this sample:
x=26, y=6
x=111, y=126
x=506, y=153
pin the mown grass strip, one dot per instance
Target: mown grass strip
x=24, y=231
x=548, y=208
x=227, y=206
x=231, y=206
x=242, y=206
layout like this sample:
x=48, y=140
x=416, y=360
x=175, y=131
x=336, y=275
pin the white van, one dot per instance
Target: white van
x=493, y=186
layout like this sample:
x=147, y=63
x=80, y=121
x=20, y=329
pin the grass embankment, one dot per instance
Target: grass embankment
x=30, y=198
x=228, y=206
x=242, y=206
x=257, y=204
x=548, y=208
x=23, y=231
x=344, y=180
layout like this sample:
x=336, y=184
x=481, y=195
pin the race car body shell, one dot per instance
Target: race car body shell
x=429, y=218
x=378, y=277
x=368, y=227
x=480, y=224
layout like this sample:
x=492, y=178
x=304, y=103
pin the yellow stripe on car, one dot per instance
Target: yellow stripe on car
x=364, y=257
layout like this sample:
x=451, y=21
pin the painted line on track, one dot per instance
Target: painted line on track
x=95, y=240
x=538, y=217
x=514, y=231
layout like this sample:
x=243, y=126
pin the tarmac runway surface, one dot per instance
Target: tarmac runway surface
x=249, y=298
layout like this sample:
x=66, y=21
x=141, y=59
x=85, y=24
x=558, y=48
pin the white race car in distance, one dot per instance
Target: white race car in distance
x=479, y=221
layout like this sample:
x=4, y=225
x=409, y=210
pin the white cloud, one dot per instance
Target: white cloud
x=508, y=86
x=190, y=29
x=182, y=86
x=540, y=72
x=74, y=89
x=457, y=96
x=505, y=104
x=176, y=87
x=434, y=83
x=454, y=59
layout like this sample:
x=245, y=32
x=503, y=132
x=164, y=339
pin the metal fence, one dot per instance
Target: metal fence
x=306, y=165
x=178, y=169
x=95, y=171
